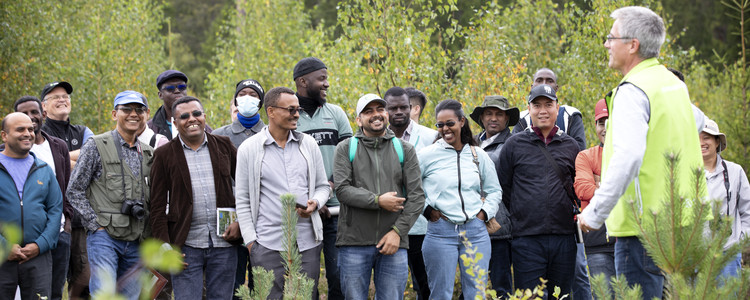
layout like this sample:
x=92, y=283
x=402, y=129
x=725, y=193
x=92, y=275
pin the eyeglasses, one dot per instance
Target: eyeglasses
x=128, y=110
x=55, y=97
x=292, y=109
x=171, y=88
x=449, y=124
x=195, y=113
x=610, y=37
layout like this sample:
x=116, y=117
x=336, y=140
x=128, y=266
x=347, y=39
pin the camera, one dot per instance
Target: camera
x=133, y=208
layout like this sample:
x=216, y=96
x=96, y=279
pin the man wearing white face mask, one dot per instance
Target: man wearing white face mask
x=248, y=97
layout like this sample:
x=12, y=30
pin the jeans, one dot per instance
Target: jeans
x=33, y=277
x=60, y=262
x=552, y=257
x=110, y=259
x=500, y=275
x=217, y=265
x=331, y=256
x=733, y=268
x=356, y=264
x=602, y=263
x=442, y=249
x=581, y=285
x=632, y=261
x=244, y=269
x=416, y=265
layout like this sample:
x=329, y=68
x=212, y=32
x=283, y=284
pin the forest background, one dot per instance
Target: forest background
x=447, y=48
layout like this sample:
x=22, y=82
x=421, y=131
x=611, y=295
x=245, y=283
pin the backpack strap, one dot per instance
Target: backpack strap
x=399, y=150
x=353, y=141
x=481, y=180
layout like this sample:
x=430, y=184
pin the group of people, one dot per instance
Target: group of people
x=393, y=198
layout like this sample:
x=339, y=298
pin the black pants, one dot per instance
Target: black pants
x=416, y=265
x=34, y=278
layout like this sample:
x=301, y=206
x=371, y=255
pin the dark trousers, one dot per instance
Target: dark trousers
x=272, y=260
x=244, y=269
x=552, y=257
x=79, y=270
x=331, y=256
x=33, y=277
x=416, y=265
x=60, y=261
x=500, y=275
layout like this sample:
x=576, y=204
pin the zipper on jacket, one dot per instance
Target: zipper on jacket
x=33, y=168
x=460, y=195
x=377, y=186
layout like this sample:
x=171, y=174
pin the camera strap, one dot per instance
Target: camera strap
x=118, y=147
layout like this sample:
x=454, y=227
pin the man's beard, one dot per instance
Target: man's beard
x=315, y=95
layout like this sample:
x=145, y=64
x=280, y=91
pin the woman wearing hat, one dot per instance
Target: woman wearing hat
x=727, y=181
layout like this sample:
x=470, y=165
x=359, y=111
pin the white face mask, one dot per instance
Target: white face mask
x=247, y=105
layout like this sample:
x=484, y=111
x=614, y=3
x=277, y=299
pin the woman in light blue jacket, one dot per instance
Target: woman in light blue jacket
x=454, y=174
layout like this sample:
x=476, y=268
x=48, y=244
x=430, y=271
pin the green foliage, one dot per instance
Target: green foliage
x=100, y=47
x=470, y=260
x=676, y=238
x=12, y=235
x=154, y=255
x=508, y=44
x=262, y=284
x=722, y=90
x=385, y=44
x=262, y=40
x=619, y=288
x=296, y=284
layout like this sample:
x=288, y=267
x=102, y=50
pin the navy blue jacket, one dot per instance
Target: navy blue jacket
x=532, y=190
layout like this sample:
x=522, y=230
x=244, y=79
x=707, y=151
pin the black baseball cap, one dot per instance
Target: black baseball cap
x=542, y=90
x=169, y=74
x=51, y=86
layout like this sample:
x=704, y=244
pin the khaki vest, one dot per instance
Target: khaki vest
x=106, y=193
x=671, y=129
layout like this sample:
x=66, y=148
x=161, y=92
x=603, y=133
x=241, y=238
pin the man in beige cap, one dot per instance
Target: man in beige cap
x=727, y=181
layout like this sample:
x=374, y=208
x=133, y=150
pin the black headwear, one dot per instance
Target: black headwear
x=308, y=65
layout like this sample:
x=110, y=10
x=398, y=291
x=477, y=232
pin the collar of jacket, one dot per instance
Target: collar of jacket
x=371, y=142
x=501, y=137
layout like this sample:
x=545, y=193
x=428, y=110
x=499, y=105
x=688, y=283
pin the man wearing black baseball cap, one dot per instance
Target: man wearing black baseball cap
x=328, y=124
x=172, y=85
x=57, y=105
x=570, y=118
x=536, y=169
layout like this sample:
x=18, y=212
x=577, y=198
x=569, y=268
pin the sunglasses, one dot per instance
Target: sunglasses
x=449, y=124
x=172, y=88
x=128, y=110
x=195, y=113
x=292, y=109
